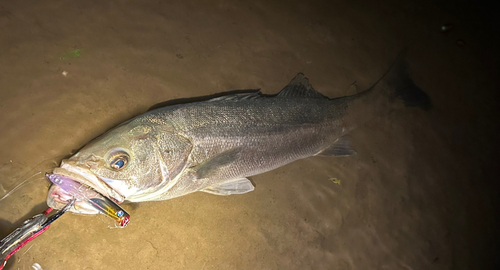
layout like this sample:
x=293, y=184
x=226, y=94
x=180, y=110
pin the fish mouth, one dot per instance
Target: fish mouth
x=58, y=198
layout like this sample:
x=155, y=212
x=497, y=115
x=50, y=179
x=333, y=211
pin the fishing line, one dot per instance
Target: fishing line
x=52, y=164
x=18, y=186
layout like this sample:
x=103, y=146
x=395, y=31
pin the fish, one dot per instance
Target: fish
x=215, y=145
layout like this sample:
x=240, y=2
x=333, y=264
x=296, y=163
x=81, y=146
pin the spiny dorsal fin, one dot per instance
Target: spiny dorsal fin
x=299, y=87
x=237, y=97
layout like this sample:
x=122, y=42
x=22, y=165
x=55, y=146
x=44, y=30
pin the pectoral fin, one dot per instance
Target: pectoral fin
x=340, y=148
x=210, y=166
x=238, y=186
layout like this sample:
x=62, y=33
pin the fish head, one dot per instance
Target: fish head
x=128, y=163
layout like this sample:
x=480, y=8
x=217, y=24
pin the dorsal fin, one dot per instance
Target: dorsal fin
x=299, y=87
x=236, y=97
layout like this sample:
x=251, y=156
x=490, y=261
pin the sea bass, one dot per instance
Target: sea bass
x=213, y=146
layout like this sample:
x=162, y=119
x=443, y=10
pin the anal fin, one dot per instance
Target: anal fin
x=238, y=186
x=340, y=148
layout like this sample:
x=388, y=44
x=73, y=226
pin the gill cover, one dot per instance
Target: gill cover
x=171, y=152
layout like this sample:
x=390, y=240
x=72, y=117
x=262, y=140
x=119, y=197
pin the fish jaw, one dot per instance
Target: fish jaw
x=57, y=198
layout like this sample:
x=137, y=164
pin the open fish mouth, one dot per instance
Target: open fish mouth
x=58, y=197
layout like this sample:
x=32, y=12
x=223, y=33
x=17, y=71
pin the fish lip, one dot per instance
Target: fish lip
x=85, y=177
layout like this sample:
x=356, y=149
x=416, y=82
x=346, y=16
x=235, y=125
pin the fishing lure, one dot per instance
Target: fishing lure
x=87, y=194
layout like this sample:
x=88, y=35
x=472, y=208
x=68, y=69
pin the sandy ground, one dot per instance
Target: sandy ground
x=420, y=193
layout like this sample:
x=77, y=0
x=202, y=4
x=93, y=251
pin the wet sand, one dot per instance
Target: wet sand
x=419, y=194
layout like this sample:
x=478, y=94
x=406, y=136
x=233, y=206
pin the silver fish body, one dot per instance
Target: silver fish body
x=214, y=145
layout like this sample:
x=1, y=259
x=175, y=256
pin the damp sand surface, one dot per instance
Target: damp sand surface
x=419, y=194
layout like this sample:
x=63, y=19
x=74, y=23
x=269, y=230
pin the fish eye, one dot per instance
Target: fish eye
x=118, y=160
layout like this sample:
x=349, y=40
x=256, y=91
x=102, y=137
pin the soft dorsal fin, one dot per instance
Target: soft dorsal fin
x=299, y=87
